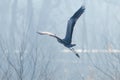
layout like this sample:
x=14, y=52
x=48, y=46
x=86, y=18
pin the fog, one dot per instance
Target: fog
x=25, y=55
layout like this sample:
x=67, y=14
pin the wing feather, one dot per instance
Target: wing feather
x=71, y=24
x=47, y=33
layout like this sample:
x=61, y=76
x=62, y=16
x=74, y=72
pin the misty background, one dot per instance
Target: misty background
x=25, y=55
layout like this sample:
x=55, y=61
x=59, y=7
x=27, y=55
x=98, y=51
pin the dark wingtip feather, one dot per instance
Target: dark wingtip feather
x=78, y=13
x=83, y=7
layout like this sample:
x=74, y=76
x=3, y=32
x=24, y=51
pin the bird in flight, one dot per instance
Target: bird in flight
x=70, y=26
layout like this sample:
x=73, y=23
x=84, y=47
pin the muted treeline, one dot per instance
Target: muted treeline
x=24, y=55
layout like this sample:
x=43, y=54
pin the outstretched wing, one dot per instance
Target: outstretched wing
x=49, y=34
x=71, y=24
x=46, y=33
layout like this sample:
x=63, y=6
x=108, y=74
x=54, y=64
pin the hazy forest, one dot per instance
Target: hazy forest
x=25, y=55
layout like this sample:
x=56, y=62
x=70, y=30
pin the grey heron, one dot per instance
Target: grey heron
x=70, y=26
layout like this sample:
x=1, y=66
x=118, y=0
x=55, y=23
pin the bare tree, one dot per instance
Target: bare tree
x=24, y=60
